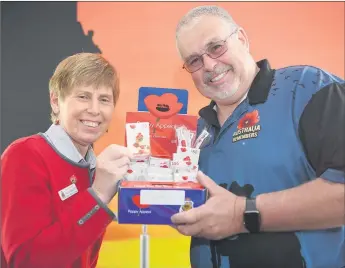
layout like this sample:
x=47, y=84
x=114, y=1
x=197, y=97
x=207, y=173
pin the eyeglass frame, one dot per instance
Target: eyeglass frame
x=201, y=56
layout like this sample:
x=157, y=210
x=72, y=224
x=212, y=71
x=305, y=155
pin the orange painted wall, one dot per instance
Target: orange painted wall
x=138, y=38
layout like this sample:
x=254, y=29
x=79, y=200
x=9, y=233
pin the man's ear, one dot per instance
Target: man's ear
x=54, y=102
x=243, y=38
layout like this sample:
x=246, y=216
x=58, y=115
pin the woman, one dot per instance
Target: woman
x=54, y=190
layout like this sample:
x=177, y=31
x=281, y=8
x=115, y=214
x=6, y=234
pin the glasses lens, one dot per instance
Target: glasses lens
x=217, y=49
x=214, y=51
x=193, y=64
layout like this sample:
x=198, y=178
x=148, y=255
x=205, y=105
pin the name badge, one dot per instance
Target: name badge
x=68, y=191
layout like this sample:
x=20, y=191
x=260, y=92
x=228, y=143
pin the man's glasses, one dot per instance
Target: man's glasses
x=214, y=51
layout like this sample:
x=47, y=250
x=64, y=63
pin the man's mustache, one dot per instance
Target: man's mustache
x=217, y=71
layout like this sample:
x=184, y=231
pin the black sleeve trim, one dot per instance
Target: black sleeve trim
x=322, y=129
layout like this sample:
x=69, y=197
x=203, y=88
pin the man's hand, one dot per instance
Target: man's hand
x=221, y=216
x=112, y=165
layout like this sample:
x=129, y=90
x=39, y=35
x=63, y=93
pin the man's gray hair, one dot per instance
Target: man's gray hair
x=205, y=11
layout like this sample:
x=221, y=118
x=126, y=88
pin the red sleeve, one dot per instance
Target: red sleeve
x=96, y=252
x=30, y=236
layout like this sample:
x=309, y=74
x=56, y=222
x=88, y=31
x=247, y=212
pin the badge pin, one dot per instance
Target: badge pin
x=68, y=191
x=73, y=179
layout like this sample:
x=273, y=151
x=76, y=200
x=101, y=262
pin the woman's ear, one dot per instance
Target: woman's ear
x=54, y=102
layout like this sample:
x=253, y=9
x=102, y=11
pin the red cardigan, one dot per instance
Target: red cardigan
x=38, y=229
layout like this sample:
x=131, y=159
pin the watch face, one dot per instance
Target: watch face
x=252, y=221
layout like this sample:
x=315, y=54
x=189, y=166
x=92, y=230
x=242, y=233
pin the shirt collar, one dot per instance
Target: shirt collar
x=257, y=93
x=63, y=143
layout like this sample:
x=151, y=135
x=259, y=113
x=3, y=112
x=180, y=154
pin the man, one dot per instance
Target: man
x=274, y=166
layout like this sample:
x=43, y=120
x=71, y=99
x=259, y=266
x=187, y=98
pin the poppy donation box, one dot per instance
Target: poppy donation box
x=161, y=179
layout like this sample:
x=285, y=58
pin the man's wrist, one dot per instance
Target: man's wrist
x=240, y=207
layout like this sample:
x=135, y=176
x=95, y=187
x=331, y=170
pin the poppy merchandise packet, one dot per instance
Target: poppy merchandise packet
x=161, y=181
x=163, y=139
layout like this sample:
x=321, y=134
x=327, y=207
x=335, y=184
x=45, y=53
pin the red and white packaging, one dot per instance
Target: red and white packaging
x=158, y=177
x=159, y=170
x=137, y=171
x=138, y=139
x=184, y=137
x=203, y=137
x=189, y=155
x=144, y=167
x=179, y=164
x=185, y=164
x=158, y=174
x=159, y=162
x=185, y=175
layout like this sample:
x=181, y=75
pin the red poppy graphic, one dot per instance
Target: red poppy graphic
x=163, y=107
x=187, y=158
x=139, y=137
x=249, y=120
x=136, y=201
x=136, y=145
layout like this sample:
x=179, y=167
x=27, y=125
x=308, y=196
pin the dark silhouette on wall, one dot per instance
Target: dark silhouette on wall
x=36, y=36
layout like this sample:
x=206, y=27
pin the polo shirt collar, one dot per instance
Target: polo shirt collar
x=257, y=93
x=64, y=145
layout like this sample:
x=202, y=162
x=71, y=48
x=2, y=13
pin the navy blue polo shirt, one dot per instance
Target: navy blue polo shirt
x=289, y=130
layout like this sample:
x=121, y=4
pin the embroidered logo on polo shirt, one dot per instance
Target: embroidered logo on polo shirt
x=248, y=127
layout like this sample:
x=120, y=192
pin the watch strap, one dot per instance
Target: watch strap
x=252, y=220
x=251, y=204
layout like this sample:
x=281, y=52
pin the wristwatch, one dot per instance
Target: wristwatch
x=251, y=216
